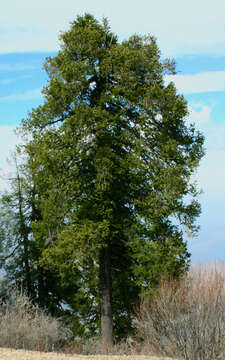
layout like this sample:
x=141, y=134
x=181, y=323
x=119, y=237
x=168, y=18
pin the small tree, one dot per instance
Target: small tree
x=113, y=158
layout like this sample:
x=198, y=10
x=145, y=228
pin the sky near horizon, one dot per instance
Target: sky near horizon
x=193, y=33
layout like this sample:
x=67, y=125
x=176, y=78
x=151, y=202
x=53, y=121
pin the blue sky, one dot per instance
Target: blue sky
x=193, y=33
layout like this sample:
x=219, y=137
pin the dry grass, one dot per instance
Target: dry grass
x=186, y=319
x=25, y=326
x=7, y=354
x=183, y=320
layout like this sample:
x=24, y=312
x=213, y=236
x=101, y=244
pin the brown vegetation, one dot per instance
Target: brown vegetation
x=186, y=319
x=7, y=354
x=182, y=319
x=25, y=326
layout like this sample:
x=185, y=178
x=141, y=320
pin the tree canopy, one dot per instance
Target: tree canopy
x=111, y=155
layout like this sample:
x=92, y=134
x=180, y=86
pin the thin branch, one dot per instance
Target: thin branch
x=12, y=253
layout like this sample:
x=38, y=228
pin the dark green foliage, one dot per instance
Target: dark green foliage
x=21, y=253
x=111, y=158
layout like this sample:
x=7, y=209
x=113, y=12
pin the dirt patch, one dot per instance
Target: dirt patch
x=8, y=354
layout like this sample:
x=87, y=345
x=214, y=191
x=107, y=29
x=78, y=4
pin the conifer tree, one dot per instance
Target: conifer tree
x=113, y=157
x=20, y=253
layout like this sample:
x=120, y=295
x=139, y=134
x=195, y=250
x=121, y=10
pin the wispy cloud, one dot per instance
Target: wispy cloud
x=7, y=81
x=8, y=141
x=16, y=67
x=28, y=95
x=211, y=174
x=201, y=116
x=198, y=83
x=182, y=27
x=11, y=80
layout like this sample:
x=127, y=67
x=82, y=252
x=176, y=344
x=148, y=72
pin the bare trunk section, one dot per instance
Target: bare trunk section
x=105, y=286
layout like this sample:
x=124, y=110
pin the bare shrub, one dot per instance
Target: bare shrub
x=93, y=346
x=25, y=326
x=186, y=318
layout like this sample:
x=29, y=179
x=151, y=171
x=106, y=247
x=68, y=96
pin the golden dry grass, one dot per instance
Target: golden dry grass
x=8, y=354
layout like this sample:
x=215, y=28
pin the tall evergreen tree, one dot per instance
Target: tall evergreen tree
x=113, y=157
x=20, y=252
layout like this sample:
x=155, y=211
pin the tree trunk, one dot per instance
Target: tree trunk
x=41, y=290
x=105, y=285
x=27, y=267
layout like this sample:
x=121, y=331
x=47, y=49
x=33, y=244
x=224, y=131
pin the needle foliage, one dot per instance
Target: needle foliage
x=112, y=157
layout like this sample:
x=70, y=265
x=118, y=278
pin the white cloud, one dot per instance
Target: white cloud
x=198, y=83
x=181, y=27
x=7, y=81
x=215, y=137
x=27, y=95
x=211, y=174
x=10, y=80
x=8, y=142
x=210, y=177
x=16, y=67
x=200, y=117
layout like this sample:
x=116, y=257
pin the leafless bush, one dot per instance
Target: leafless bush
x=186, y=318
x=94, y=346
x=24, y=326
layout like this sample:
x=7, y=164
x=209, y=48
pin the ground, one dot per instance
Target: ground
x=8, y=354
